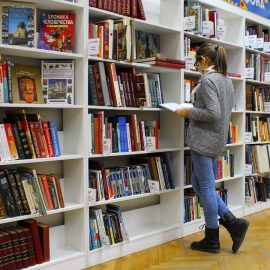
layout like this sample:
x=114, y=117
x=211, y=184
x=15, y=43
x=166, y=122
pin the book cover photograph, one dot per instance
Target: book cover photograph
x=26, y=84
x=18, y=24
x=57, y=32
x=58, y=81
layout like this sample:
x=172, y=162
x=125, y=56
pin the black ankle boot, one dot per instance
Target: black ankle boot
x=237, y=227
x=210, y=243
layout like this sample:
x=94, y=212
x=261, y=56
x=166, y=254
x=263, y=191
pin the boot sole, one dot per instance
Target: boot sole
x=216, y=251
x=242, y=238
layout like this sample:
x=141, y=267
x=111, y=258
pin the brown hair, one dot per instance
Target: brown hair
x=216, y=54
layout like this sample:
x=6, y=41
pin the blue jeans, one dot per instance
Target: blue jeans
x=203, y=182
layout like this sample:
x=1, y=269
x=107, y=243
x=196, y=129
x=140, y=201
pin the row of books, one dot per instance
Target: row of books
x=52, y=83
x=206, y=22
x=257, y=37
x=257, y=98
x=224, y=167
x=24, y=245
x=257, y=189
x=129, y=8
x=106, y=228
x=192, y=207
x=233, y=136
x=109, y=86
x=257, y=67
x=117, y=182
x=25, y=136
x=257, y=159
x=121, y=134
x=24, y=192
x=258, y=127
x=56, y=29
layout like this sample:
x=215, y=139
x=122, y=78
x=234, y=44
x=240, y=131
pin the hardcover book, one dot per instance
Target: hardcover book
x=18, y=24
x=57, y=31
x=26, y=84
x=58, y=81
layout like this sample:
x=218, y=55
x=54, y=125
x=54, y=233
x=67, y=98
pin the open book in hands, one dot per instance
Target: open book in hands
x=174, y=106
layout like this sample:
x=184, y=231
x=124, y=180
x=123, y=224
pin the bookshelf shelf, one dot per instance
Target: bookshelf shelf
x=40, y=160
x=37, y=53
x=234, y=144
x=200, y=38
x=254, y=143
x=265, y=54
x=41, y=106
x=150, y=230
x=257, y=82
x=220, y=180
x=141, y=109
x=257, y=112
x=99, y=14
x=134, y=153
x=134, y=197
x=196, y=74
x=55, y=4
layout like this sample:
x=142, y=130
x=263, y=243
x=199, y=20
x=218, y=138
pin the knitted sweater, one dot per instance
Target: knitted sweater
x=210, y=117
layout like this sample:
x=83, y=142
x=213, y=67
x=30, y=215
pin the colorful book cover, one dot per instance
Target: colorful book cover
x=18, y=25
x=57, y=31
x=58, y=81
x=26, y=84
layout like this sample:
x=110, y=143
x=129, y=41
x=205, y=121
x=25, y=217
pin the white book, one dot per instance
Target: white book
x=89, y=127
x=160, y=174
x=174, y=106
x=2, y=99
x=5, y=142
x=29, y=197
x=128, y=137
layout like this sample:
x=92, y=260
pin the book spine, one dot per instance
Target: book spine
x=17, y=250
x=28, y=136
x=11, y=142
x=22, y=193
x=10, y=252
x=18, y=141
x=5, y=148
x=141, y=14
x=54, y=197
x=34, y=138
x=59, y=192
x=28, y=196
x=25, y=144
x=9, y=77
x=23, y=246
x=114, y=6
x=48, y=138
x=45, y=241
x=55, y=140
x=3, y=212
x=100, y=97
x=2, y=94
x=5, y=82
x=30, y=247
x=47, y=192
x=134, y=13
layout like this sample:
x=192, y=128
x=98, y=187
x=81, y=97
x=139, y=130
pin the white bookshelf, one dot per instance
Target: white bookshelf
x=154, y=218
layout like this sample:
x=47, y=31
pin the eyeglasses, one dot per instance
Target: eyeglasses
x=196, y=64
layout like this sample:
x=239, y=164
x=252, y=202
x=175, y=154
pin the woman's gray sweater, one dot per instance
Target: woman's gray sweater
x=210, y=117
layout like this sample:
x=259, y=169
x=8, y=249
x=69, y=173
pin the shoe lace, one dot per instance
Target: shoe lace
x=202, y=227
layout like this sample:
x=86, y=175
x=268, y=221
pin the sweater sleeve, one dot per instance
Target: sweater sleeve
x=212, y=111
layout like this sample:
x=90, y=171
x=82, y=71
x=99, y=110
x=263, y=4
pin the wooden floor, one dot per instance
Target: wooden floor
x=253, y=255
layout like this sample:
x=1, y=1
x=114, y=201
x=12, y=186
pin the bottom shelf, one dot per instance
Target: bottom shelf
x=256, y=207
x=140, y=238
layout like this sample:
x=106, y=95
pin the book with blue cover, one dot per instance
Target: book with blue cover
x=18, y=24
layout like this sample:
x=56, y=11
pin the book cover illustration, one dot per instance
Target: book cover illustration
x=26, y=84
x=18, y=24
x=147, y=45
x=58, y=81
x=57, y=32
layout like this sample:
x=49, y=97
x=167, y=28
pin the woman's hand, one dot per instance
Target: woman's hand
x=183, y=112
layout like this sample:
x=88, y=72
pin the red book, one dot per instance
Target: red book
x=11, y=142
x=47, y=191
x=114, y=6
x=96, y=136
x=48, y=138
x=110, y=5
x=213, y=18
x=169, y=65
x=34, y=138
x=99, y=4
x=128, y=7
x=134, y=13
x=59, y=190
x=97, y=78
x=93, y=3
x=29, y=246
x=8, y=256
x=41, y=146
x=45, y=240
x=119, y=7
x=105, y=4
x=105, y=39
x=23, y=245
x=16, y=247
x=124, y=7
x=141, y=14
x=32, y=225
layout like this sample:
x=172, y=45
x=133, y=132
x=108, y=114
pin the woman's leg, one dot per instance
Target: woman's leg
x=205, y=180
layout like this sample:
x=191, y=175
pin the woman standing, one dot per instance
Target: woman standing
x=207, y=137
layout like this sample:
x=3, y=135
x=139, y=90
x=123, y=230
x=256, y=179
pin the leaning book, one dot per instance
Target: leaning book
x=175, y=106
x=18, y=24
x=58, y=81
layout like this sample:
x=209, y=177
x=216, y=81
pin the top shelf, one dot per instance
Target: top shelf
x=54, y=4
x=155, y=28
